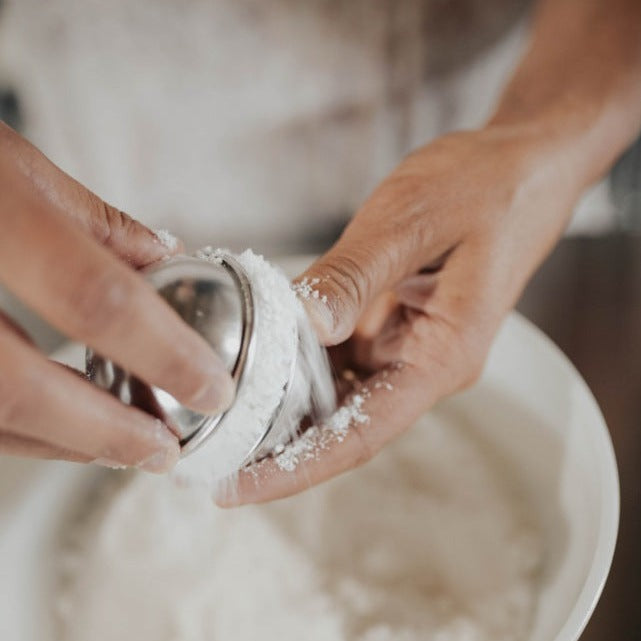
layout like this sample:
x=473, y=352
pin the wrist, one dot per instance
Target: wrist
x=583, y=129
x=545, y=155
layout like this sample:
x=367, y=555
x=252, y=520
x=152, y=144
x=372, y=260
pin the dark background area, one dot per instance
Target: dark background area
x=587, y=298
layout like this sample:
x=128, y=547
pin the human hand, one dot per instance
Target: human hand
x=419, y=283
x=71, y=258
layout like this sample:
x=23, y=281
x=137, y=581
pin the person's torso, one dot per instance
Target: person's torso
x=248, y=121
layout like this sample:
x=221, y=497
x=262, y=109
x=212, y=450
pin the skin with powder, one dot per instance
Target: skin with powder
x=423, y=275
x=71, y=257
x=433, y=261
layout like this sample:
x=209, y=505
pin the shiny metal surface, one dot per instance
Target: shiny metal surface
x=216, y=300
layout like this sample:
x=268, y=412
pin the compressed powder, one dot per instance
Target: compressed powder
x=286, y=353
x=427, y=541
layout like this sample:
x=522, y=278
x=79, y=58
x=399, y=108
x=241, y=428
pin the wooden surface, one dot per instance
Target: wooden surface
x=587, y=298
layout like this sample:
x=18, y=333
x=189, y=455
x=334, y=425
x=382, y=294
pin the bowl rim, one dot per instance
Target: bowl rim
x=607, y=471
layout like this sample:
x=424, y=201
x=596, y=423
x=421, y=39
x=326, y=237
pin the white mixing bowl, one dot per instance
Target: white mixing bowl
x=539, y=413
x=531, y=405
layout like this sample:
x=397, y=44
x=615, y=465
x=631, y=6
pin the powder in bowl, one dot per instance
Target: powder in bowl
x=427, y=541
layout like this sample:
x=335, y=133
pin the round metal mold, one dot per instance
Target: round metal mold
x=215, y=299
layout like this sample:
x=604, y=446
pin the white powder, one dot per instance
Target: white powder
x=425, y=542
x=316, y=439
x=166, y=238
x=333, y=429
x=306, y=288
x=286, y=352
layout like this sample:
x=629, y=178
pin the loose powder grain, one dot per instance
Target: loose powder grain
x=425, y=542
x=306, y=288
x=310, y=445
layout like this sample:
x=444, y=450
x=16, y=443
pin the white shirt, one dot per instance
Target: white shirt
x=249, y=122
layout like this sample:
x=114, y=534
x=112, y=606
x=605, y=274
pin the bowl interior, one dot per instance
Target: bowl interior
x=541, y=419
x=531, y=407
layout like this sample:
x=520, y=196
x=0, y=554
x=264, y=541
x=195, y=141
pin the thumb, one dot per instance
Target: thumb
x=340, y=285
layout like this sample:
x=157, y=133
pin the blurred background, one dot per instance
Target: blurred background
x=324, y=159
x=587, y=298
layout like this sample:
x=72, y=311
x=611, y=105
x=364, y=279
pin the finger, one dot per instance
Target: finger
x=42, y=401
x=447, y=320
x=392, y=401
x=11, y=325
x=389, y=238
x=92, y=297
x=344, y=281
x=439, y=358
x=15, y=445
x=26, y=166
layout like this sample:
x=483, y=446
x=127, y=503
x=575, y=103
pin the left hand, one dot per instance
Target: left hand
x=423, y=276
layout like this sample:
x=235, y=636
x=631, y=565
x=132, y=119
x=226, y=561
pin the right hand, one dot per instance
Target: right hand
x=71, y=258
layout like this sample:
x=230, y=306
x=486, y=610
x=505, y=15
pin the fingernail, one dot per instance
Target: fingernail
x=215, y=396
x=225, y=493
x=161, y=461
x=114, y=465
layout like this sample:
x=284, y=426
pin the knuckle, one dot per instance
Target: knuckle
x=109, y=222
x=348, y=277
